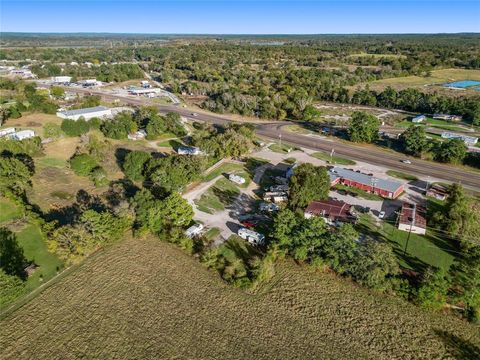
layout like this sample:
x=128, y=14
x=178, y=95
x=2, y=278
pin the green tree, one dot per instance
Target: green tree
x=374, y=264
x=308, y=183
x=75, y=127
x=52, y=131
x=465, y=273
x=71, y=243
x=57, y=92
x=14, y=174
x=104, y=226
x=432, y=293
x=363, y=127
x=176, y=210
x=134, y=164
x=12, y=259
x=120, y=126
x=83, y=164
x=414, y=141
x=451, y=151
x=339, y=250
x=155, y=127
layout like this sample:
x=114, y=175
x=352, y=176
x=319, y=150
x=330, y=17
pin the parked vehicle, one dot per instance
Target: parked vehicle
x=406, y=161
x=381, y=215
x=248, y=224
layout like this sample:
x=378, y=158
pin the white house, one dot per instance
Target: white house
x=188, y=150
x=251, y=236
x=468, y=140
x=418, y=119
x=87, y=113
x=61, y=79
x=194, y=230
x=236, y=179
x=6, y=131
x=21, y=135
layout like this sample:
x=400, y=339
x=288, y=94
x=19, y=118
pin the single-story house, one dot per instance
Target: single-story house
x=86, y=113
x=21, y=135
x=468, y=140
x=6, y=131
x=437, y=191
x=418, y=119
x=188, y=150
x=412, y=218
x=447, y=117
x=61, y=79
x=385, y=188
x=332, y=211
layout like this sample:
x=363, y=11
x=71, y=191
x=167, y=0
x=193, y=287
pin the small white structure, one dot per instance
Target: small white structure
x=236, y=179
x=61, y=79
x=145, y=84
x=188, y=150
x=139, y=135
x=6, y=131
x=89, y=82
x=21, y=135
x=418, y=119
x=251, y=236
x=87, y=113
x=194, y=230
x=468, y=140
x=143, y=91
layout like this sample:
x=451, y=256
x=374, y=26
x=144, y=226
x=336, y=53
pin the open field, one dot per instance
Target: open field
x=438, y=78
x=33, y=121
x=144, y=299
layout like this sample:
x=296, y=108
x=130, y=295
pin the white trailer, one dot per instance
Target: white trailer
x=6, y=131
x=21, y=135
x=236, y=179
x=194, y=230
x=251, y=236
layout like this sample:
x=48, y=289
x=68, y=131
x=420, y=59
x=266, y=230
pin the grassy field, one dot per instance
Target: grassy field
x=144, y=299
x=225, y=168
x=333, y=159
x=8, y=211
x=282, y=148
x=422, y=251
x=401, y=175
x=438, y=77
x=218, y=196
x=359, y=192
x=33, y=121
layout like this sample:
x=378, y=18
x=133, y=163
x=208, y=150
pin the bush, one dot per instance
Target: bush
x=83, y=164
x=99, y=176
x=52, y=131
x=31, y=146
x=120, y=126
x=75, y=127
x=135, y=163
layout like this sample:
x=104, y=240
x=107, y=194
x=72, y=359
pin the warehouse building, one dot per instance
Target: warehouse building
x=61, y=79
x=87, y=113
x=384, y=188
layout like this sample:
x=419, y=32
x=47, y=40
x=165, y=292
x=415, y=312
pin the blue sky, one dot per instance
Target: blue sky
x=241, y=17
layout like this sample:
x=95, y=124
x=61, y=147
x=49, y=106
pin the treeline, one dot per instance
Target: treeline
x=104, y=72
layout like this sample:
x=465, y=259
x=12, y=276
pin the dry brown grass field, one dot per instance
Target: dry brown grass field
x=143, y=299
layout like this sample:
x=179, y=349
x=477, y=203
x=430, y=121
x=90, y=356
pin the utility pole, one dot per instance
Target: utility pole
x=331, y=155
x=280, y=137
x=412, y=220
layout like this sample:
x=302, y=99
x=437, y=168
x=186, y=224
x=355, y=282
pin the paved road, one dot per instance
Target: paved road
x=369, y=154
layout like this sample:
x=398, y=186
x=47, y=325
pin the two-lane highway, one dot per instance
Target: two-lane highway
x=368, y=154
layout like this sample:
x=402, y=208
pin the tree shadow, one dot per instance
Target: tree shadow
x=458, y=347
x=120, y=155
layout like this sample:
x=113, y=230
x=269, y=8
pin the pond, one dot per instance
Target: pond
x=463, y=84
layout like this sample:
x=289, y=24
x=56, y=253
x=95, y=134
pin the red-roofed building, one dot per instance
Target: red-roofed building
x=332, y=211
x=412, y=218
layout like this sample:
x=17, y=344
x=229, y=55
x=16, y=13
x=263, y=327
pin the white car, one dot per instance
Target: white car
x=381, y=215
x=406, y=161
x=194, y=114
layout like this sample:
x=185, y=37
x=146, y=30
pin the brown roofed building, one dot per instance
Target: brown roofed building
x=412, y=219
x=332, y=211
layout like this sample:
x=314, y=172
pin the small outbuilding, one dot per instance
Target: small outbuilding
x=418, y=119
x=412, y=218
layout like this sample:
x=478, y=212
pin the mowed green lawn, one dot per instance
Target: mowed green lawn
x=422, y=250
x=34, y=247
x=333, y=159
x=218, y=196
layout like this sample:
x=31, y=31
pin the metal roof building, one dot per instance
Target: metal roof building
x=386, y=188
x=87, y=113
